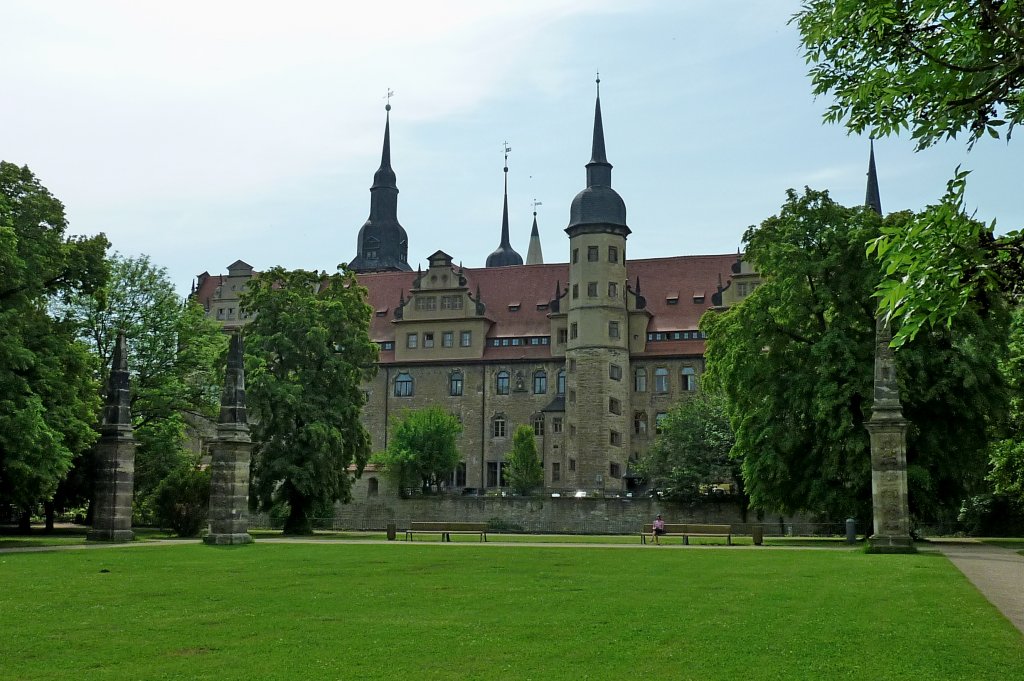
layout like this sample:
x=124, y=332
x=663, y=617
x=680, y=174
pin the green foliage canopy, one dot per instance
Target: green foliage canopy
x=308, y=351
x=422, y=450
x=936, y=68
x=693, y=448
x=524, y=469
x=175, y=354
x=48, y=396
x=795, y=360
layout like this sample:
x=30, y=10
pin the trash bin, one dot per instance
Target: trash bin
x=392, y=531
x=851, y=531
x=757, y=532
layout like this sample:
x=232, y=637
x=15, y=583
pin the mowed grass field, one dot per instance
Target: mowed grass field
x=458, y=611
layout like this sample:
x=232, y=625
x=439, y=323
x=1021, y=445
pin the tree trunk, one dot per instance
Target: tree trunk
x=48, y=508
x=25, y=522
x=298, y=521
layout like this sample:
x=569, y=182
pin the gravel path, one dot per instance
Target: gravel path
x=998, y=573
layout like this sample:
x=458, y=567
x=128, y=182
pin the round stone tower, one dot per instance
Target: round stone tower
x=597, y=352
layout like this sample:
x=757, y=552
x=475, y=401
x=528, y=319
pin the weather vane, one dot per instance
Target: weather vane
x=536, y=203
x=598, y=81
x=507, y=149
x=388, y=96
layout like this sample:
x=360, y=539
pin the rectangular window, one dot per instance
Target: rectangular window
x=455, y=385
x=572, y=397
x=572, y=464
x=613, y=254
x=428, y=340
x=614, y=406
x=613, y=289
x=411, y=340
x=498, y=429
x=426, y=303
x=556, y=424
x=615, y=372
x=465, y=339
x=614, y=470
x=556, y=471
x=689, y=379
x=613, y=330
x=575, y=255
x=615, y=438
x=447, y=339
x=563, y=335
x=492, y=473
x=659, y=422
x=640, y=380
x=575, y=290
x=451, y=302
x=538, y=426
x=573, y=330
x=592, y=254
x=572, y=365
x=592, y=289
x=661, y=380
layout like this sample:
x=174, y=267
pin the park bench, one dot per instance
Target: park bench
x=446, y=529
x=687, y=530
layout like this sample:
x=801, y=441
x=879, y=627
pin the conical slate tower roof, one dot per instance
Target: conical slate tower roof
x=598, y=206
x=534, y=255
x=872, y=199
x=504, y=255
x=383, y=245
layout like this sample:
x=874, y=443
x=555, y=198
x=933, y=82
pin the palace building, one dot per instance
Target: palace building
x=591, y=353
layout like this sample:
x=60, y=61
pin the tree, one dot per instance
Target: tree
x=1007, y=452
x=693, y=449
x=181, y=500
x=936, y=68
x=524, y=470
x=175, y=356
x=422, y=450
x=48, y=395
x=795, y=360
x=308, y=351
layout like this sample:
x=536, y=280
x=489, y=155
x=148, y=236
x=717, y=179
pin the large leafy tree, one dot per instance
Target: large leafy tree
x=1007, y=452
x=48, y=395
x=795, y=361
x=525, y=472
x=422, y=450
x=693, y=449
x=174, y=353
x=937, y=68
x=308, y=351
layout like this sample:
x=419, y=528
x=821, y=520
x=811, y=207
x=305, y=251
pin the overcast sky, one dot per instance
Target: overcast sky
x=203, y=132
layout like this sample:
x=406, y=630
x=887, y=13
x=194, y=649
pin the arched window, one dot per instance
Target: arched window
x=455, y=384
x=403, y=385
x=540, y=382
x=640, y=423
x=370, y=248
x=499, y=426
x=372, y=487
x=538, y=425
x=689, y=379
x=640, y=380
x=561, y=381
x=502, y=383
x=661, y=380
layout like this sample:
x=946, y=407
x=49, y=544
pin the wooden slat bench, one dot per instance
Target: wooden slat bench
x=446, y=529
x=687, y=530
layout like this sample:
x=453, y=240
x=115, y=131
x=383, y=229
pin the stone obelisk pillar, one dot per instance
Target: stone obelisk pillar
x=115, y=456
x=888, y=430
x=231, y=451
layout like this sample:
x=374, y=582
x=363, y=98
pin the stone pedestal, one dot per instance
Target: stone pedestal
x=115, y=481
x=229, y=491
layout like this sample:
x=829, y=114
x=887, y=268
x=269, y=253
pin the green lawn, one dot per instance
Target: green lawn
x=430, y=611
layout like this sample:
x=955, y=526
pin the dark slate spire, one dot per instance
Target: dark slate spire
x=598, y=206
x=534, y=255
x=382, y=244
x=117, y=410
x=504, y=255
x=872, y=199
x=232, y=399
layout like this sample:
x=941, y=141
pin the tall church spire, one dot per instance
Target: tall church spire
x=505, y=255
x=382, y=244
x=872, y=199
x=534, y=256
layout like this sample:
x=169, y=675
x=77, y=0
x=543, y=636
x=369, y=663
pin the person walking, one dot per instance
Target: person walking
x=657, y=530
